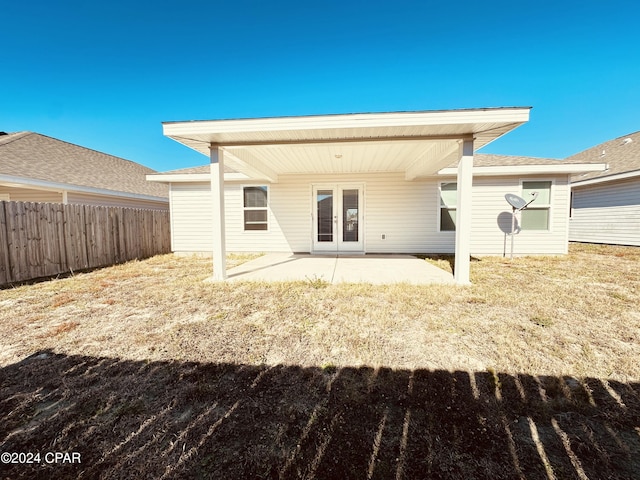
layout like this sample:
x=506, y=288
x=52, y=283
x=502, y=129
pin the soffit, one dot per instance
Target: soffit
x=419, y=143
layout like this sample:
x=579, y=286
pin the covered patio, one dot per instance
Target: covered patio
x=409, y=145
x=334, y=269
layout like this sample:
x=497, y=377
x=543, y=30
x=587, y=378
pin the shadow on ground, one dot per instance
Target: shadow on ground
x=194, y=420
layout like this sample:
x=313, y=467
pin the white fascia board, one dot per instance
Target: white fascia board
x=530, y=169
x=608, y=178
x=193, y=177
x=397, y=119
x=22, y=182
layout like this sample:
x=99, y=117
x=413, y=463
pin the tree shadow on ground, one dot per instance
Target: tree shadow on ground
x=130, y=419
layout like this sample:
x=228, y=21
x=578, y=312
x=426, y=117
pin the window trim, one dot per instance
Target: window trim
x=244, y=209
x=549, y=206
x=440, y=207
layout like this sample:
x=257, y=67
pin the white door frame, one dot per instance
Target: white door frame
x=338, y=242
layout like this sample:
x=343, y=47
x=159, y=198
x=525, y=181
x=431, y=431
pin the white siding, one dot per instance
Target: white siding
x=31, y=195
x=191, y=229
x=406, y=213
x=492, y=218
x=113, y=201
x=607, y=213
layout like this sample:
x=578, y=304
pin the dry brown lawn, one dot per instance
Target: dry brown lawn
x=531, y=372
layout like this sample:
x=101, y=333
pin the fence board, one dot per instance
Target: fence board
x=35, y=254
x=18, y=243
x=43, y=239
x=4, y=252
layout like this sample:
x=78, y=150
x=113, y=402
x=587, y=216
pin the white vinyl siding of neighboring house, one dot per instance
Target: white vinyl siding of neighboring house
x=607, y=212
x=50, y=196
x=114, y=201
x=31, y=195
x=399, y=216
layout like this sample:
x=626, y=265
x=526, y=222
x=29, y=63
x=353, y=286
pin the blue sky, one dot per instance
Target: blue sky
x=105, y=75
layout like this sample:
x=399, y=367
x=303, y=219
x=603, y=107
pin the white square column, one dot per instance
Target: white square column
x=463, y=215
x=217, y=204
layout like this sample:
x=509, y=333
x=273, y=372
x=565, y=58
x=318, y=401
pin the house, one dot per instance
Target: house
x=38, y=168
x=606, y=205
x=403, y=182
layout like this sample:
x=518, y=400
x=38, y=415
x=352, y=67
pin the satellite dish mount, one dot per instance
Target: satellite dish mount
x=517, y=205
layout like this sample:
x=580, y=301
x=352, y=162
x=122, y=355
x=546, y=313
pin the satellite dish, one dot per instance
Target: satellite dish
x=518, y=204
x=515, y=201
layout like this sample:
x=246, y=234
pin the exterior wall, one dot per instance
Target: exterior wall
x=406, y=213
x=191, y=229
x=492, y=218
x=31, y=195
x=113, y=201
x=606, y=213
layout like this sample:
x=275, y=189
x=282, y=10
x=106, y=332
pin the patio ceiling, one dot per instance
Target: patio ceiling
x=416, y=143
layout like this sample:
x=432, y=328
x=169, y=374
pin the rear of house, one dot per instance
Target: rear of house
x=375, y=212
x=605, y=205
x=393, y=182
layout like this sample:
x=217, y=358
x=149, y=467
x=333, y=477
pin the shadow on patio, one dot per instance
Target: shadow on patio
x=131, y=419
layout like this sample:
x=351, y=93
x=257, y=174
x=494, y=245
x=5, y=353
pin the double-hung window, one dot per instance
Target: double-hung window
x=537, y=215
x=448, y=201
x=255, y=208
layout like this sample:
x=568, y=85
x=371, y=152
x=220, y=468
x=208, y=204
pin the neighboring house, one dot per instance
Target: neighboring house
x=37, y=168
x=364, y=183
x=606, y=205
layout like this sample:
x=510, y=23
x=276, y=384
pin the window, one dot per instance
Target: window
x=255, y=208
x=448, y=200
x=536, y=215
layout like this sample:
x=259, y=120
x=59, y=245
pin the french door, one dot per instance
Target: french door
x=337, y=218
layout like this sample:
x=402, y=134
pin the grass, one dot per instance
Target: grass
x=317, y=368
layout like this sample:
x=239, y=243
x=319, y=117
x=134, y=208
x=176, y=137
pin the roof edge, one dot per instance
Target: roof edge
x=29, y=182
x=607, y=178
x=568, y=168
x=311, y=116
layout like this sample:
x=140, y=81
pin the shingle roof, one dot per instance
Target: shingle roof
x=622, y=154
x=35, y=156
x=490, y=160
x=195, y=170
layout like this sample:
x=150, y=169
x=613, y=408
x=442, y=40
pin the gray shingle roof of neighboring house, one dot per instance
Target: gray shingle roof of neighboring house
x=622, y=154
x=31, y=155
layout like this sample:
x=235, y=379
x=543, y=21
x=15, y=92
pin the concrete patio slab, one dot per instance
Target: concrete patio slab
x=374, y=269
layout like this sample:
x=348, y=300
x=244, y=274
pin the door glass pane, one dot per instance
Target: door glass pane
x=324, y=199
x=350, y=215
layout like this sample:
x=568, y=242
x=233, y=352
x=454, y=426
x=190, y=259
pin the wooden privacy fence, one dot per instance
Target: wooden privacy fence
x=46, y=239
